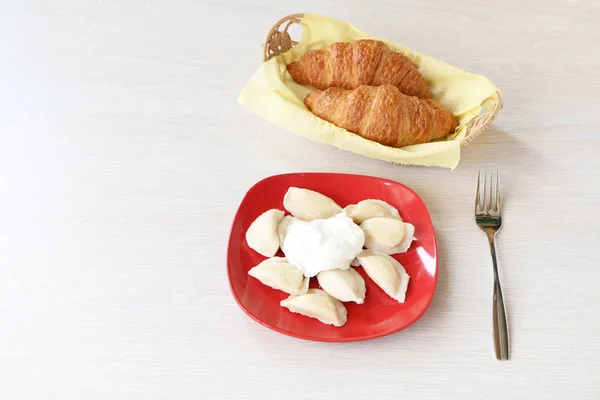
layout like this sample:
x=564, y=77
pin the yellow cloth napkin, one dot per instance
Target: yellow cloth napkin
x=272, y=94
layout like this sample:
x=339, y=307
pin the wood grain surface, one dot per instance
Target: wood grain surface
x=124, y=156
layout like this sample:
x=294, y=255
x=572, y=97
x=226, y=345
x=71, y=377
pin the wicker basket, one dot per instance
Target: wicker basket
x=279, y=41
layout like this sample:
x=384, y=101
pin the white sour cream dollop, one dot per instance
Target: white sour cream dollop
x=323, y=244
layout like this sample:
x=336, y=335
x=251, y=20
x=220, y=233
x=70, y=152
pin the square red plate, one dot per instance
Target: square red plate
x=379, y=315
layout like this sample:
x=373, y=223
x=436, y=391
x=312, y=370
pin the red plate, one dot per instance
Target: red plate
x=379, y=315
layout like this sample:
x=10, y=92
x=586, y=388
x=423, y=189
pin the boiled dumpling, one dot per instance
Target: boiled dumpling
x=308, y=205
x=388, y=235
x=283, y=227
x=279, y=274
x=371, y=208
x=262, y=235
x=344, y=285
x=317, y=304
x=386, y=272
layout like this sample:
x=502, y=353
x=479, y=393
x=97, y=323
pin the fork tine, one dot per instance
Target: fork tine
x=492, y=200
x=485, y=207
x=477, y=193
x=497, y=192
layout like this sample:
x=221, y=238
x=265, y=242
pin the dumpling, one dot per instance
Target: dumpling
x=262, y=235
x=386, y=272
x=371, y=208
x=307, y=205
x=279, y=274
x=355, y=263
x=344, y=285
x=388, y=235
x=317, y=304
x=283, y=227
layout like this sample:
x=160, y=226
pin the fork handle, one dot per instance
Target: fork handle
x=499, y=312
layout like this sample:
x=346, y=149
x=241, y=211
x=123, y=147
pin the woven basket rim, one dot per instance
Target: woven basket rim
x=279, y=41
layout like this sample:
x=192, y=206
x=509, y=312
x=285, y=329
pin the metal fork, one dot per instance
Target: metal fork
x=488, y=216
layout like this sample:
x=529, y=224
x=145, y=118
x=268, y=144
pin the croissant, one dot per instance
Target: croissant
x=363, y=62
x=383, y=114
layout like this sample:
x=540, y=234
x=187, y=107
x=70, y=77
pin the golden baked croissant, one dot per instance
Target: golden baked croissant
x=363, y=62
x=383, y=114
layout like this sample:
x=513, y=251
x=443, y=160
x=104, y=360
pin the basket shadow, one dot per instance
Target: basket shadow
x=499, y=149
x=503, y=151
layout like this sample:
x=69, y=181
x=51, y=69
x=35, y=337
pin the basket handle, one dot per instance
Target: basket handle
x=279, y=40
x=480, y=123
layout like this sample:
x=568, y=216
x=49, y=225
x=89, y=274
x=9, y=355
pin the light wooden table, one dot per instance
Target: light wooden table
x=123, y=157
